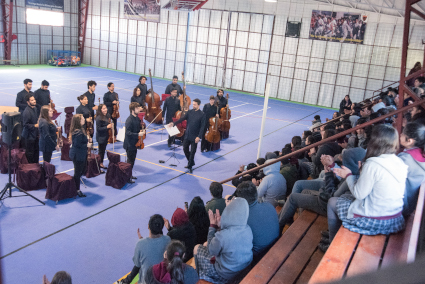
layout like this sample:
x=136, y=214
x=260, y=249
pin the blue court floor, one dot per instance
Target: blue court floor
x=93, y=238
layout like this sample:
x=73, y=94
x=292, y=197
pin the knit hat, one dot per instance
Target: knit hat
x=179, y=218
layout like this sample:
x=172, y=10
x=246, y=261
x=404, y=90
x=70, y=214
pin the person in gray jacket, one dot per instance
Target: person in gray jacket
x=413, y=140
x=273, y=185
x=229, y=250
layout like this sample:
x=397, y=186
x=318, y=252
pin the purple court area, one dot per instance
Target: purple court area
x=93, y=238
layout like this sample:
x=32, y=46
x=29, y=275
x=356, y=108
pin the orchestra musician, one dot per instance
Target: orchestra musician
x=21, y=102
x=195, y=128
x=84, y=110
x=174, y=85
x=171, y=106
x=138, y=98
x=210, y=110
x=132, y=133
x=222, y=101
x=30, y=130
x=78, y=152
x=110, y=99
x=102, y=131
x=143, y=89
x=91, y=85
x=42, y=95
x=48, y=138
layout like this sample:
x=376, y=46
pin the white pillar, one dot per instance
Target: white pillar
x=263, y=121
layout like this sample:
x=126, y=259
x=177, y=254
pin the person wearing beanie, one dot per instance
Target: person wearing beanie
x=149, y=251
x=182, y=230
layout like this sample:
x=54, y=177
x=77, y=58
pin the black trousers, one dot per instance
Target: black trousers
x=79, y=168
x=190, y=154
x=102, y=149
x=114, y=120
x=32, y=150
x=171, y=140
x=131, y=156
x=47, y=156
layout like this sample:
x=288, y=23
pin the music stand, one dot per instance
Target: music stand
x=173, y=155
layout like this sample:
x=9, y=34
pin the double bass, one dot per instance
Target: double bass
x=184, y=99
x=225, y=114
x=154, y=112
x=213, y=134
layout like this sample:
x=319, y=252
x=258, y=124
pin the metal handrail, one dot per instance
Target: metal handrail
x=329, y=139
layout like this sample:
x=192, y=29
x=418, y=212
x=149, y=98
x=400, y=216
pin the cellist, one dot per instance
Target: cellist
x=222, y=101
x=195, y=128
x=102, y=128
x=171, y=106
x=132, y=133
x=210, y=110
x=110, y=99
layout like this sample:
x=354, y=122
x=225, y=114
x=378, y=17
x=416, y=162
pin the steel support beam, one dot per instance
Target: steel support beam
x=83, y=9
x=7, y=18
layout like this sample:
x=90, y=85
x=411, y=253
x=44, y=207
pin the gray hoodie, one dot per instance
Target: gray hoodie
x=273, y=185
x=232, y=245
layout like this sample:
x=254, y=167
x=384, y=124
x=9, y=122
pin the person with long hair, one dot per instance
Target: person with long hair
x=143, y=90
x=345, y=104
x=172, y=269
x=48, y=138
x=413, y=140
x=376, y=201
x=138, y=98
x=415, y=68
x=84, y=110
x=78, y=151
x=102, y=128
x=199, y=218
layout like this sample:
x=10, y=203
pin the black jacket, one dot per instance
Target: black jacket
x=328, y=190
x=342, y=106
x=222, y=102
x=132, y=129
x=209, y=111
x=84, y=110
x=42, y=97
x=29, y=119
x=48, y=138
x=330, y=148
x=187, y=234
x=171, y=106
x=91, y=98
x=108, y=98
x=195, y=124
x=172, y=86
x=139, y=99
x=143, y=90
x=78, y=149
x=21, y=102
x=102, y=134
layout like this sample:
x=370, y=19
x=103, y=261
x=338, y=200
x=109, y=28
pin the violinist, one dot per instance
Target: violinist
x=174, y=85
x=30, y=130
x=84, y=110
x=91, y=85
x=78, y=152
x=195, y=128
x=48, y=139
x=102, y=129
x=171, y=106
x=137, y=98
x=132, y=133
x=222, y=101
x=210, y=110
x=110, y=99
x=143, y=89
x=42, y=95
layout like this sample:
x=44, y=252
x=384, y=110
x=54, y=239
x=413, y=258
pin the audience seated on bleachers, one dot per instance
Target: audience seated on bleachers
x=60, y=277
x=419, y=86
x=273, y=185
x=198, y=216
x=345, y=104
x=217, y=202
x=172, y=269
x=182, y=230
x=246, y=177
x=316, y=122
x=289, y=171
x=148, y=251
x=262, y=220
x=229, y=250
x=330, y=148
x=304, y=136
x=376, y=200
x=413, y=141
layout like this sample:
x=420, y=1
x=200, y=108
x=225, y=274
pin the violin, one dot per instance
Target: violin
x=154, y=112
x=184, y=99
x=89, y=126
x=140, y=145
x=89, y=149
x=213, y=134
x=225, y=114
x=59, y=136
x=116, y=109
x=111, y=138
x=52, y=105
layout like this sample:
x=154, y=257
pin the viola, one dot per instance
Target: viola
x=184, y=99
x=154, y=112
x=213, y=133
x=116, y=110
x=88, y=149
x=225, y=114
x=89, y=127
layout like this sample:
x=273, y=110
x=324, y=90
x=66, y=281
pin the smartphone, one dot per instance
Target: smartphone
x=186, y=205
x=244, y=168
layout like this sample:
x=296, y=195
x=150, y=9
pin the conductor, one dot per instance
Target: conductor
x=195, y=128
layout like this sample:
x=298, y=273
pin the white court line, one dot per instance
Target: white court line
x=247, y=114
x=240, y=105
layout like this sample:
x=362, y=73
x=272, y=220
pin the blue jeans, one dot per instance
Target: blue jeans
x=314, y=184
x=333, y=220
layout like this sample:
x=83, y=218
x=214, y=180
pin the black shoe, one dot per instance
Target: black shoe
x=186, y=167
x=190, y=170
x=102, y=172
x=323, y=247
x=131, y=181
x=324, y=240
x=325, y=234
x=169, y=145
x=80, y=194
x=133, y=177
x=104, y=167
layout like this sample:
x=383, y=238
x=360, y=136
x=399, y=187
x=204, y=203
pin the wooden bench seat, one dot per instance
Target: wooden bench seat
x=352, y=254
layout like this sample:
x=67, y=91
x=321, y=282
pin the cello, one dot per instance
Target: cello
x=154, y=112
x=225, y=114
x=177, y=116
x=213, y=134
x=185, y=98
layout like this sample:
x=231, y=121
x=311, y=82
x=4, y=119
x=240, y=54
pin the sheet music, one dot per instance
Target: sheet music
x=172, y=131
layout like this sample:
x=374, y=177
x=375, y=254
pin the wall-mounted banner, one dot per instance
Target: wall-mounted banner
x=338, y=26
x=142, y=10
x=45, y=4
